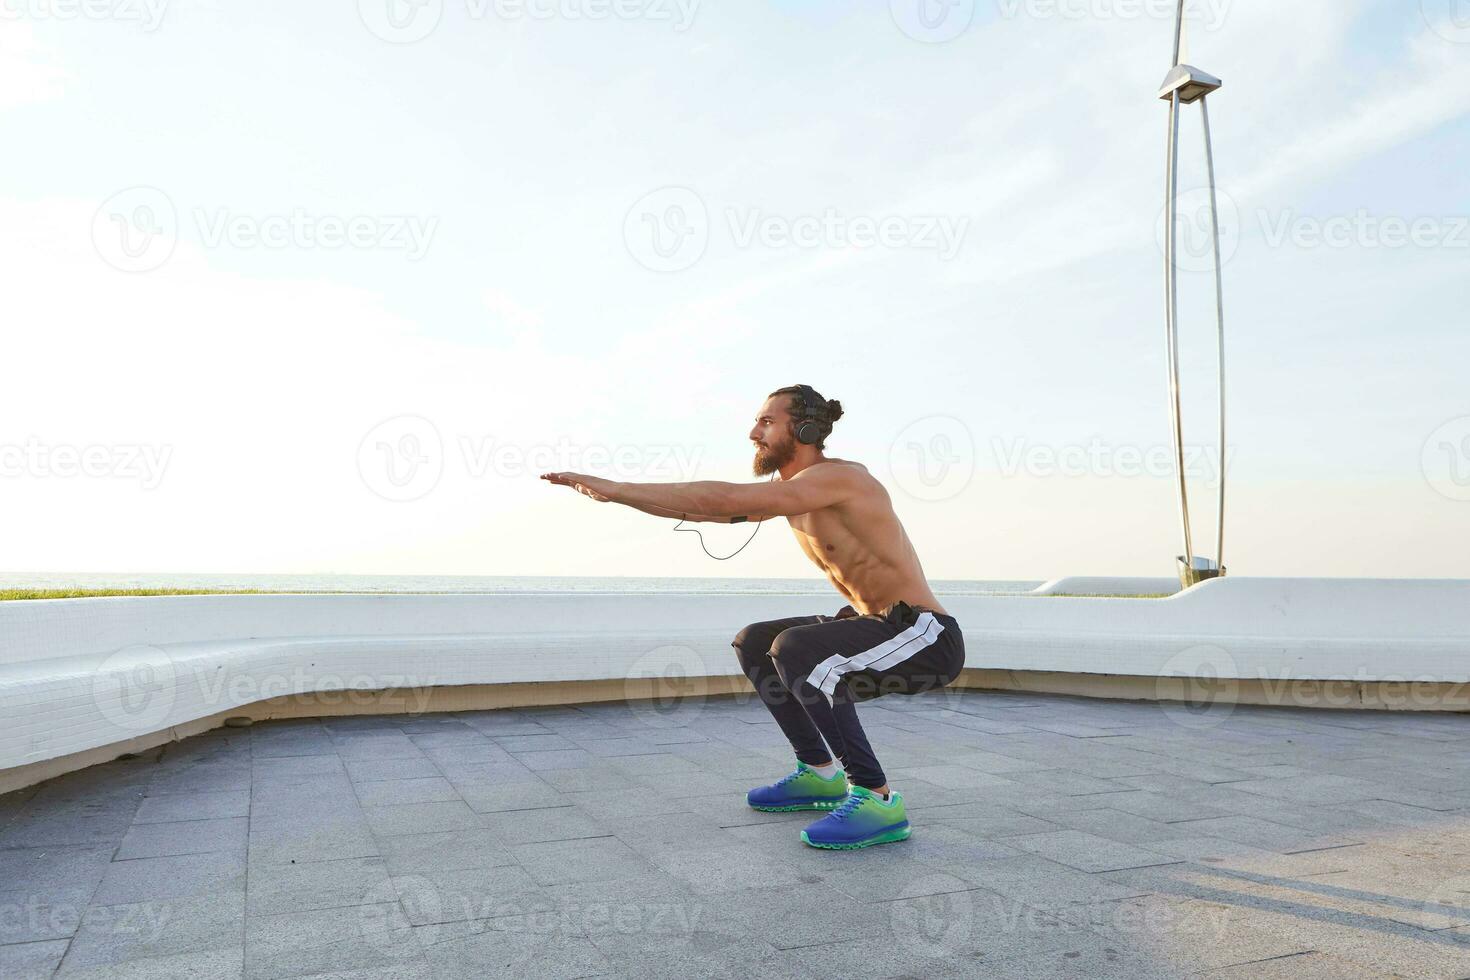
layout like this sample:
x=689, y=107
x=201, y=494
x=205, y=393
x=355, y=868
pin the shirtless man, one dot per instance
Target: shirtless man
x=892, y=638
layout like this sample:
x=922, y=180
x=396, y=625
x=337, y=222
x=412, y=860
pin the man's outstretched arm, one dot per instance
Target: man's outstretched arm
x=575, y=481
x=691, y=518
x=812, y=489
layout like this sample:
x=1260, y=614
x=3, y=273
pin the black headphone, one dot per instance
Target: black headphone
x=809, y=430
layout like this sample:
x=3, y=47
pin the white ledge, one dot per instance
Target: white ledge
x=77, y=674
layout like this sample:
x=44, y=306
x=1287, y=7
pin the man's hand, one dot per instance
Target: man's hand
x=593, y=486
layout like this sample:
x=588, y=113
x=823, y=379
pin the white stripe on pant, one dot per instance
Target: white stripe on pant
x=890, y=652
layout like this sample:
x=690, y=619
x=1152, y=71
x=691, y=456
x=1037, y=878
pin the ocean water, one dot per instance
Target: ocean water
x=467, y=583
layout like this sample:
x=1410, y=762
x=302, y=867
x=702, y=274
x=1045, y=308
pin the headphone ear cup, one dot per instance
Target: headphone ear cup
x=808, y=433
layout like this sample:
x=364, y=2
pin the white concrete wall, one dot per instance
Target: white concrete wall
x=80, y=673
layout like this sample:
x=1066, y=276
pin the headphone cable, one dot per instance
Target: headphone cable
x=685, y=517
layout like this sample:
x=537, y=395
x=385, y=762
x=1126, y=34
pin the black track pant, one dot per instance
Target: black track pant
x=812, y=670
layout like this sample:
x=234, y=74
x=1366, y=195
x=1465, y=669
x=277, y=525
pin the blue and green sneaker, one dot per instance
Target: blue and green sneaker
x=804, y=789
x=861, y=821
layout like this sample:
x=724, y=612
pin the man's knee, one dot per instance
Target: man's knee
x=791, y=649
x=752, y=644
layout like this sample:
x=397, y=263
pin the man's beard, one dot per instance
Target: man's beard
x=769, y=459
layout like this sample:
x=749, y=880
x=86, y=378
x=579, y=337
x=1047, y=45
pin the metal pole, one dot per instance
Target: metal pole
x=1220, y=330
x=1178, y=30
x=1171, y=315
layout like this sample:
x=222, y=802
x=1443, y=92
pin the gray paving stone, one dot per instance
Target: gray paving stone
x=561, y=823
x=1192, y=935
x=533, y=743
x=1096, y=962
x=1304, y=966
x=1314, y=788
x=193, y=806
x=622, y=746
x=317, y=885
x=590, y=859
x=210, y=964
x=89, y=825
x=651, y=892
x=279, y=748
x=421, y=818
x=666, y=832
x=956, y=777
x=458, y=754
x=445, y=851
x=295, y=767
x=41, y=867
x=1088, y=852
x=369, y=770
x=184, y=837
x=1114, y=825
x=31, y=961
x=285, y=844
x=468, y=895
x=1163, y=807
x=447, y=735
x=501, y=723
x=387, y=792
x=726, y=869
x=201, y=778
x=700, y=953
x=583, y=780
x=785, y=918
x=51, y=911
x=1263, y=833
x=112, y=934
x=1042, y=884
x=574, y=758
x=171, y=877
x=306, y=801
x=517, y=954
x=1064, y=782
x=995, y=763
x=991, y=822
x=375, y=747
x=293, y=944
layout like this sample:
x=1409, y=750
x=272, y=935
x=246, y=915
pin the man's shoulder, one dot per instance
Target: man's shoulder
x=844, y=471
x=833, y=467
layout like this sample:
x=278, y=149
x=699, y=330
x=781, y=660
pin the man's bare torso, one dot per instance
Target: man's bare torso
x=862, y=548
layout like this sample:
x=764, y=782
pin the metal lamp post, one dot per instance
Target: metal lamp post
x=1186, y=84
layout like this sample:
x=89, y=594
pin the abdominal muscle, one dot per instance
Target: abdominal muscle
x=863, y=550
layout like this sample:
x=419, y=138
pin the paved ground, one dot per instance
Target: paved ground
x=1054, y=837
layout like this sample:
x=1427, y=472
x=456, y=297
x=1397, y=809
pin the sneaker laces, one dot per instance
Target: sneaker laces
x=849, y=806
x=789, y=777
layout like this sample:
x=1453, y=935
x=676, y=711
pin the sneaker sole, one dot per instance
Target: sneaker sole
x=887, y=837
x=799, y=806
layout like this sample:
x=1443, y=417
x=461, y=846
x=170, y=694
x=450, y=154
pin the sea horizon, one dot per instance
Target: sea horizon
x=487, y=584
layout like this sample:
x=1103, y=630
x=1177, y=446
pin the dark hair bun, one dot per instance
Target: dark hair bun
x=834, y=410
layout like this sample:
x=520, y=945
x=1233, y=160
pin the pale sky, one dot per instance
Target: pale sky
x=300, y=298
